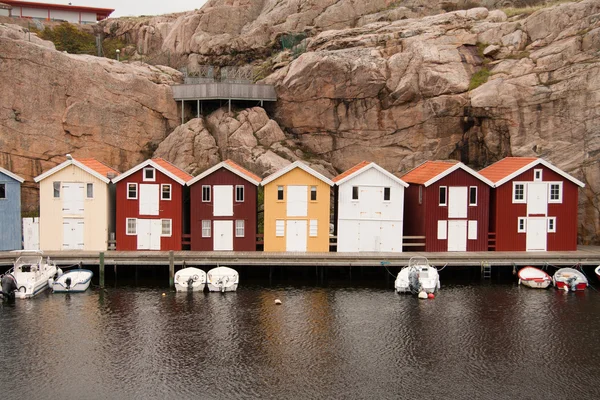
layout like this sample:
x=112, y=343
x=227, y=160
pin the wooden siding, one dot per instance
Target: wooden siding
x=168, y=209
x=246, y=211
x=95, y=215
x=276, y=210
x=10, y=214
x=414, y=213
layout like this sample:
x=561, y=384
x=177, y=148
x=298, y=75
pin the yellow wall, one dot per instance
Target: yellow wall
x=276, y=210
x=95, y=213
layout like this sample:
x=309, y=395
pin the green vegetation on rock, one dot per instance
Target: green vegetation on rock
x=479, y=78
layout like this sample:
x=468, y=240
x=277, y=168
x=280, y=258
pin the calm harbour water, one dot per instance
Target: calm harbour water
x=479, y=341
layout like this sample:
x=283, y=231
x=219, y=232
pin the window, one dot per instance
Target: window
x=56, y=186
x=165, y=192
x=387, y=193
x=131, y=226
x=205, y=228
x=239, y=193
x=442, y=232
x=473, y=195
x=279, y=228
x=552, y=224
x=2, y=190
x=420, y=194
x=518, y=193
x=521, y=225
x=239, y=228
x=205, y=194
x=132, y=190
x=354, y=192
x=472, y=230
x=312, y=232
x=555, y=193
x=149, y=174
x=166, y=227
x=279, y=192
x=90, y=190
x=313, y=193
x=443, y=197
x=537, y=174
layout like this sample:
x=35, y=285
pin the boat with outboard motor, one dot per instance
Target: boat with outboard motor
x=33, y=274
x=222, y=279
x=74, y=281
x=569, y=279
x=534, y=278
x=190, y=279
x=418, y=277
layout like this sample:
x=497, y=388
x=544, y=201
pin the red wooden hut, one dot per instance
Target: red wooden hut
x=448, y=203
x=533, y=205
x=223, y=208
x=149, y=203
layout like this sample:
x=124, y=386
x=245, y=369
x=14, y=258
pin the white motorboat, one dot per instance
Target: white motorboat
x=569, y=279
x=33, y=274
x=223, y=279
x=77, y=280
x=418, y=277
x=534, y=278
x=190, y=279
x=597, y=270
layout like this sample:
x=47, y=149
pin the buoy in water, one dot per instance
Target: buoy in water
x=422, y=295
x=431, y=296
x=277, y=301
x=164, y=294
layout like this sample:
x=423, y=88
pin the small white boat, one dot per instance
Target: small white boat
x=190, y=279
x=223, y=279
x=569, y=279
x=597, y=270
x=418, y=277
x=33, y=274
x=534, y=278
x=77, y=280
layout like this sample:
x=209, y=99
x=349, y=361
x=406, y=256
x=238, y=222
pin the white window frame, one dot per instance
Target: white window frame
x=136, y=191
x=313, y=228
x=514, y=193
x=243, y=190
x=279, y=228
x=162, y=226
x=206, y=228
x=56, y=190
x=472, y=230
x=553, y=221
x=476, y=190
x=560, y=192
x=145, y=179
x=313, y=189
x=445, y=203
x=442, y=229
x=206, y=200
x=5, y=196
x=87, y=191
x=240, y=228
x=127, y=232
x=163, y=185
x=281, y=190
x=537, y=175
x=524, y=228
x=390, y=193
x=357, y=193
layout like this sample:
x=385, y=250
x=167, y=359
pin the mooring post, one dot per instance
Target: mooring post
x=171, y=269
x=101, y=270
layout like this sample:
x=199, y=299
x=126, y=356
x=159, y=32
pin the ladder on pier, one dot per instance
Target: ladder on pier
x=486, y=270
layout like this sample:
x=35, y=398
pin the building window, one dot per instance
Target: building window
x=205, y=228
x=537, y=175
x=518, y=193
x=521, y=225
x=132, y=191
x=149, y=175
x=205, y=193
x=131, y=226
x=387, y=193
x=552, y=224
x=420, y=194
x=56, y=186
x=2, y=190
x=279, y=227
x=239, y=193
x=556, y=192
x=165, y=192
x=166, y=227
x=443, y=196
x=473, y=195
x=279, y=192
x=313, y=228
x=354, y=192
x=239, y=228
x=313, y=193
x=90, y=190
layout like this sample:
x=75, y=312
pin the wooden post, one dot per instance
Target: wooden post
x=171, y=269
x=102, y=270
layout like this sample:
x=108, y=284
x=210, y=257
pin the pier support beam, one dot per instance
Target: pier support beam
x=101, y=263
x=171, y=269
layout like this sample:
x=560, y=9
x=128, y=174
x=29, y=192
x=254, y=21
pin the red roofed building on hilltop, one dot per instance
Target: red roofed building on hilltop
x=57, y=12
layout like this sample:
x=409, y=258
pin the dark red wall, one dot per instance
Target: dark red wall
x=246, y=210
x=414, y=213
x=168, y=209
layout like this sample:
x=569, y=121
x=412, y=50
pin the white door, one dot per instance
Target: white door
x=457, y=235
x=223, y=235
x=73, y=234
x=348, y=236
x=391, y=236
x=148, y=234
x=537, y=198
x=297, y=201
x=296, y=233
x=223, y=201
x=148, y=199
x=457, y=202
x=155, y=233
x=72, y=198
x=536, y=234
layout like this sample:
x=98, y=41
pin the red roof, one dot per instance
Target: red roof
x=97, y=166
x=243, y=170
x=97, y=10
x=505, y=167
x=173, y=169
x=427, y=171
x=352, y=170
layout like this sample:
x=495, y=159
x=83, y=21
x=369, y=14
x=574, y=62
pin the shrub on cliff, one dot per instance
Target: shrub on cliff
x=66, y=37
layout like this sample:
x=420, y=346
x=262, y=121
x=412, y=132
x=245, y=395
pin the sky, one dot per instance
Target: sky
x=135, y=7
